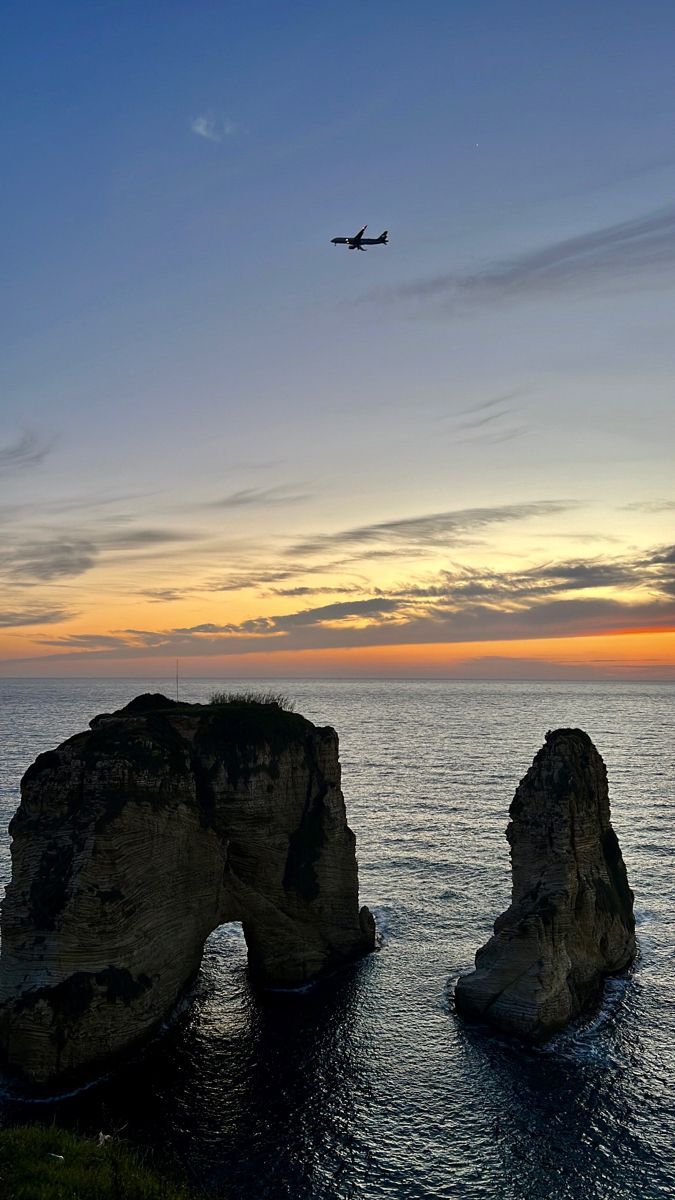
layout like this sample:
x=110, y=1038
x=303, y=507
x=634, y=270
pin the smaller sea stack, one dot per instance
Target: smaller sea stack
x=570, y=922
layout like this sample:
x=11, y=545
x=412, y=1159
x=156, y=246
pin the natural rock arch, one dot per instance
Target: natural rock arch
x=133, y=841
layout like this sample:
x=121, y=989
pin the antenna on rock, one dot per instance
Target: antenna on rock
x=176, y=679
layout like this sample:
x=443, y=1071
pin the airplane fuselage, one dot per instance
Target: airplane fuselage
x=359, y=242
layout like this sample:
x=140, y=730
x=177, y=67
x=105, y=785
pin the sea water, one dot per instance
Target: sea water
x=369, y=1085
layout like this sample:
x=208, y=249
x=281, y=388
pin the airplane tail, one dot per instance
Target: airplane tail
x=384, y=236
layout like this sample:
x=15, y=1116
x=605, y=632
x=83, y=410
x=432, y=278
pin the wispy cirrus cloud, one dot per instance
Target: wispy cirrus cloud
x=103, y=642
x=61, y=555
x=462, y=586
x=440, y=529
x=93, y=508
x=484, y=412
x=164, y=595
x=27, y=451
x=260, y=498
x=213, y=126
x=304, y=590
x=326, y=613
x=55, y=558
x=252, y=577
x=649, y=506
x=140, y=539
x=33, y=616
x=634, y=252
x=489, y=421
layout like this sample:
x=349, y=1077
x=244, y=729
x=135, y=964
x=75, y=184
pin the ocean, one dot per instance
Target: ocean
x=368, y=1085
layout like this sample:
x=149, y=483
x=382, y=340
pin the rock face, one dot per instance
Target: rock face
x=570, y=922
x=135, y=840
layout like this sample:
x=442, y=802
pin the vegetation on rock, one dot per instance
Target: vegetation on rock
x=276, y=698
x=37, y=1163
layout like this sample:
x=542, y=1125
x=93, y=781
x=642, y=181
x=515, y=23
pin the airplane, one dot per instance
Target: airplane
x=358, y=242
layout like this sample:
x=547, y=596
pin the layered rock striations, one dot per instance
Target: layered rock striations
x=133, y=841
x=570, y=922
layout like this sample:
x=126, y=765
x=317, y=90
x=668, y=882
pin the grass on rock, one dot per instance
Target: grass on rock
x=29, y=1169
x=275, y=698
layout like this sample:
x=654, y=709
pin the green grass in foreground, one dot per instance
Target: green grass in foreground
x=87, y=1172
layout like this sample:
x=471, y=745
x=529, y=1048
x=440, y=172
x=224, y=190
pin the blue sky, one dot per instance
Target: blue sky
x=185, y=354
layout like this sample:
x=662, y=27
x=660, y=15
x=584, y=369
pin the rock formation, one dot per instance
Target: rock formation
x=570, y=922
x=135, y=840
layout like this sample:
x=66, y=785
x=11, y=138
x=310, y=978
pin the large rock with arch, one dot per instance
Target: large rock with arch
x=136, y=839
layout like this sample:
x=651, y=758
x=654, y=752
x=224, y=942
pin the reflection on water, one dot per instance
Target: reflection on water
x=367, y=1085
x=274, y=1095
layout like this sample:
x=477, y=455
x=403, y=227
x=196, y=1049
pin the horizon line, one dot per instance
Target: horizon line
x=351, y=678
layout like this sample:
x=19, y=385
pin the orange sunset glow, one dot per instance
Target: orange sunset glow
x=515, y=597
x=228, y=441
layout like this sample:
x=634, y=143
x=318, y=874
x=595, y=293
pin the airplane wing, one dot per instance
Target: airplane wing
x=360, y=234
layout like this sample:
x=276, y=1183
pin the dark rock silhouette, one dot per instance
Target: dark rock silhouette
x=570, y=922
x=135, y=840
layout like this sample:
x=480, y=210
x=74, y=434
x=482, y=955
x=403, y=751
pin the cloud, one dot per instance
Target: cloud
x=313, y=591
x=13, y=620
x=339, y=611
x=431, y=530
x=485, y=411
x=92, y=505
x=49, y=559
x=30, y=553
x=515, y=587
x=253, y=578
x=259, y=497
x=213, y=127
x=432, y=626
x=555, y=599
x=133, y=539
x=577, y=535
x=28, y=451
x=488, y=422
x=88, y=641
x=207, y=627
x=649, y=506
x=164, y=595
x=627, y=253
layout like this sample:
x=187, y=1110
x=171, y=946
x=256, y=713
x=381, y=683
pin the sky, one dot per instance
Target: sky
x=224, y=440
